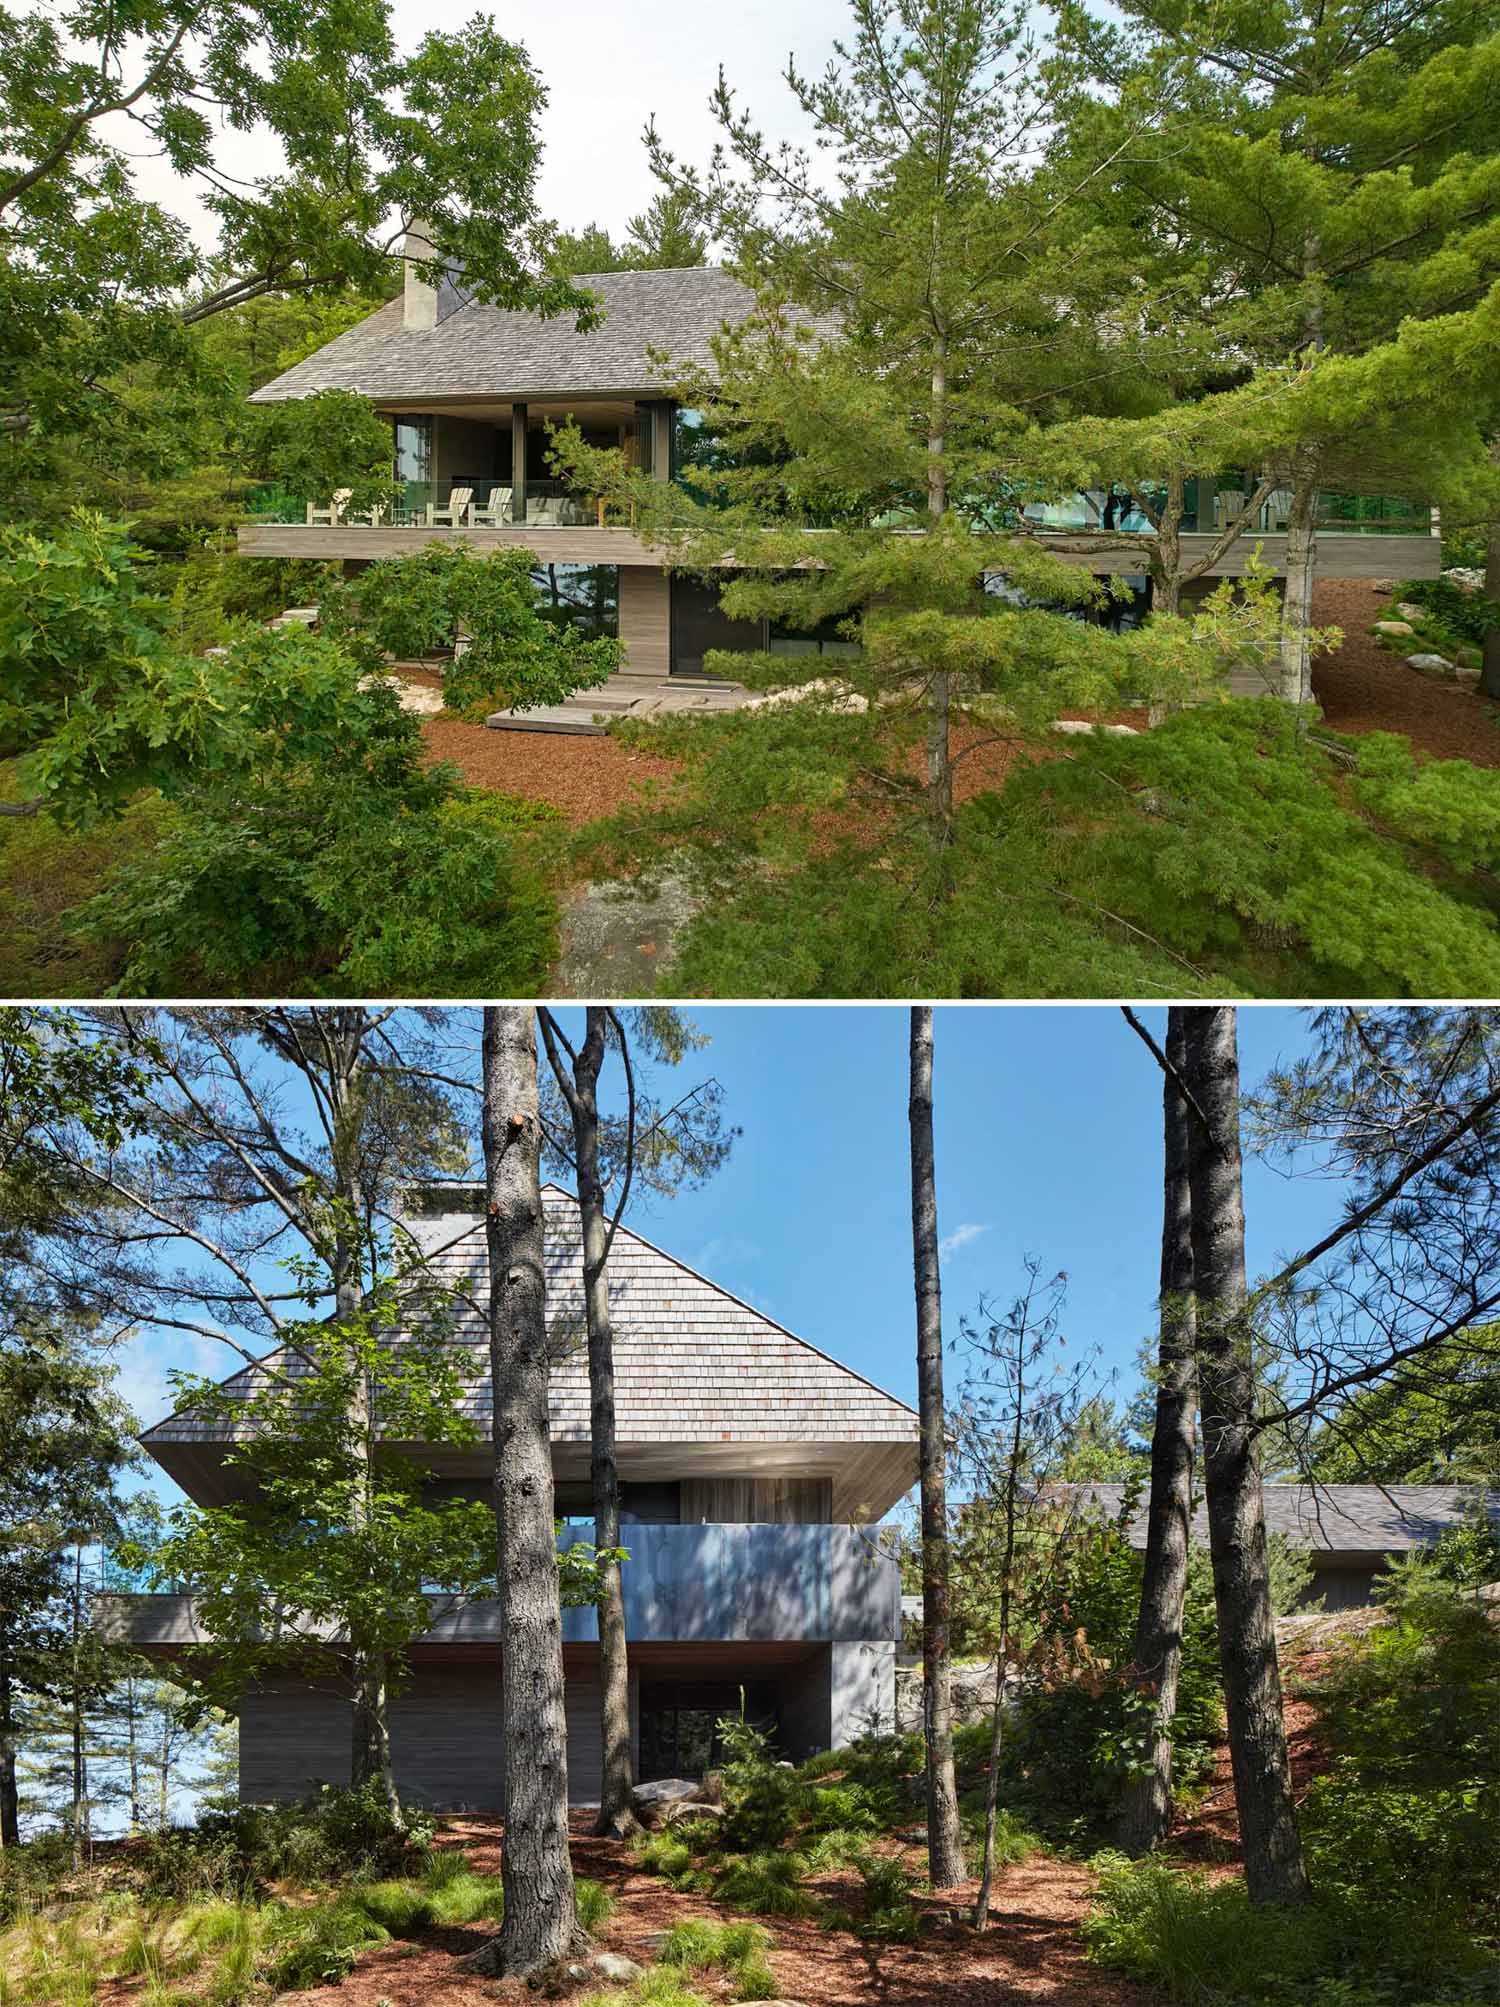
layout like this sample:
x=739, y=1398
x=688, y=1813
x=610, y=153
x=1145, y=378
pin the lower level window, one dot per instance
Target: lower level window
x=680, y=1722
x=584, y=596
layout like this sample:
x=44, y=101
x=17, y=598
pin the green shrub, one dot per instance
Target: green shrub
x=1466, y=616
x=889, y=1916
x=408, y=607
x=339, y=1834
x=1204, y=1942
x=762, y=1801
x=665, y=1854
x=1408, y=1816
x=317, y=1946
x=1402, y=1835
x=365, y=873
x=1226, y=839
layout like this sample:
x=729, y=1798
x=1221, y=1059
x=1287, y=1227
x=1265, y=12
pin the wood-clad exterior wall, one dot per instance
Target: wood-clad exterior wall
x=758, y=1501
x=445, y=1738
x=646, y=620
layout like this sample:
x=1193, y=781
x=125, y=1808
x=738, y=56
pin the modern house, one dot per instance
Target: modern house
x=1348, y=1532
x=469, y=390
x=753, y=1469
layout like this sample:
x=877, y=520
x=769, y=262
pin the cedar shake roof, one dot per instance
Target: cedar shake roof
x=480, y=352
x=698, y=1373
x=1333, y=1519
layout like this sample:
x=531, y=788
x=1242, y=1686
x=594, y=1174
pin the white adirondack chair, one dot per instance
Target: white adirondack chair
x=494, y=513
x=334, y=513
x=458, y=507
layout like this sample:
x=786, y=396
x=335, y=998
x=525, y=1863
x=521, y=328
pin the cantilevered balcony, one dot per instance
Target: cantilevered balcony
x=683, y=1584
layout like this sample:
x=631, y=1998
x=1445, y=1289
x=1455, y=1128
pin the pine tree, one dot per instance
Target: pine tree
x=1333, y=173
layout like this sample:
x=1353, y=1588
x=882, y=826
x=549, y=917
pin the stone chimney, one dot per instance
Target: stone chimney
x=419, y=307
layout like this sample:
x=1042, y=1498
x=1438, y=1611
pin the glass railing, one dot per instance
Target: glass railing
x=1105, y=509
x=460, y=503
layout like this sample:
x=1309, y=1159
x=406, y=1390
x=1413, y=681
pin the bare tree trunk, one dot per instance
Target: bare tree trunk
x=1296, y=605
x=581, y=1091
x=164, y=1778
x=1147, y=1810
x=1274, y=1870
x=370, y=1745
x=75, y=1711
x=1167, y=558
x=133, y=1756
x=945, y=1853
x=540, y=1924
x=1489, y=674
x=10, y=1805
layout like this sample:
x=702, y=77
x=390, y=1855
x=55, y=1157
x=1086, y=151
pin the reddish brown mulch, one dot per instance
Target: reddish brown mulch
x=584, y=777
x=1361, y=687
x=1030, y=1953
x=1364, y=688
x=1210, y=1835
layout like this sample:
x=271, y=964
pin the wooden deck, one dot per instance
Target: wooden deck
x=1341, y=553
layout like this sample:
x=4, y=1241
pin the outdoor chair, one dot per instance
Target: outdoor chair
x=334, y=513
x=457, y=509
x=542, y=509
x=493, y=513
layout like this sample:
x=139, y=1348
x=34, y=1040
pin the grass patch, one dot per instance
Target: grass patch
x=736, y=1949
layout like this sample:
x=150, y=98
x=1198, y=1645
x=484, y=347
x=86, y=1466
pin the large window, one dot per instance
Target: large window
x=585, y=596
x=680, y=1722
x=824, y=639
x=700, y=625
x=413, y=448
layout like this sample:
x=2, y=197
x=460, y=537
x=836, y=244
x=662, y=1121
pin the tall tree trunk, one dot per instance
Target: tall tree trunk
x=1147, y=1809
x=1301, y=557
x=75, y=1716
x=945, y=1853
x=1489, y=675
x=370, y=1743
x=1167, y=557
x=540, y=1923
x=1272, y=1848
x=164, y=1775
x=133, y=1756
x=581, y=1090
x=10, y=1806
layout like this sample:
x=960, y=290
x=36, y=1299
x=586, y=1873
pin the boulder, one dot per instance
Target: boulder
x=1467, y=678
x=677, y=1814
x=1409, y=612
x=663, y=1798
x=1073, y=725
x=667, y=1791
x=1394, y=626
x=1467, y=577
x=619, y=1971
x=840, y=696
x=1431, y=665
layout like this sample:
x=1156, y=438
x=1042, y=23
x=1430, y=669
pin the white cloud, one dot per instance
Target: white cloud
x=960, y=1237
x=145, y=1359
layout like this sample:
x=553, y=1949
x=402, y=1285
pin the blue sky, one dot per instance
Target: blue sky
x=1048, y=1134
